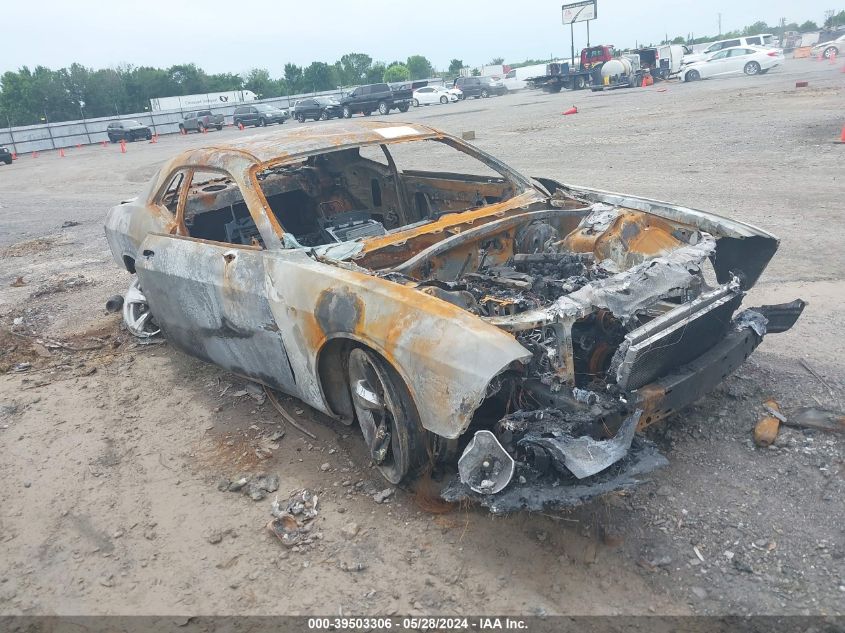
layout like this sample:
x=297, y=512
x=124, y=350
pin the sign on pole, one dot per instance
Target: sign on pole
x=579, y=11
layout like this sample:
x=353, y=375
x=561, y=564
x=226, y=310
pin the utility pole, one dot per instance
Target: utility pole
x=720, y=24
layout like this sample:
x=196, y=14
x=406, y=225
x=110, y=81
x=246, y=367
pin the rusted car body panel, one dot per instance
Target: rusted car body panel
x=612, y=310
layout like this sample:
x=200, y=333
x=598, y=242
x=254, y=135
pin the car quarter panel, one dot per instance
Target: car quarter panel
x=446, y=356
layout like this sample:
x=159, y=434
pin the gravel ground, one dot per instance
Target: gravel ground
x=113, y=454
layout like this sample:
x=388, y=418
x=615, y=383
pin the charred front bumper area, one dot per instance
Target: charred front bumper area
x=581, y=444
x=628, y=318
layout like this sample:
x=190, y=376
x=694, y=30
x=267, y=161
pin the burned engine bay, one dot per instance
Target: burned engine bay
x=609, y=302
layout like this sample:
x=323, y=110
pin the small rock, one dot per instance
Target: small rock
x=27, y=484
x=107, y=581
x=352, y=567
x=699, y=592
x=325, y=467
x=223, y=484
x=238, y=484
x=350, y=530
x=384, y=495
x=214, y=537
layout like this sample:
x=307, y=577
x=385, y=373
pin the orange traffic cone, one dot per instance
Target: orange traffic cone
x=103, y=143
x=841, y=140
x=61, y=153
x=240, y=126
x=154, y=139
x=205, y=130
x=572, y=110
x=35, y=154
x=78, y=146
x=122, y=146
x=832, y=57
x=14, y=155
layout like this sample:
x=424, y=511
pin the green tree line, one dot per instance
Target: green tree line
x=31, y=96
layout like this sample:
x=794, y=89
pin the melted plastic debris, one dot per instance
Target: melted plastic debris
x=549, y=491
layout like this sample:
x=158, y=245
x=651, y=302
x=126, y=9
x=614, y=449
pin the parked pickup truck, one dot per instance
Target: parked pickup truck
x=381, y=97
x=201, y=121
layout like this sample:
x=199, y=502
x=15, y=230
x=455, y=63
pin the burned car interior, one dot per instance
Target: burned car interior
x=584, y=316
x=342, y=195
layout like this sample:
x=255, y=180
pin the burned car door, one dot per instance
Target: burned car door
x=209, y=300
x=207, y=289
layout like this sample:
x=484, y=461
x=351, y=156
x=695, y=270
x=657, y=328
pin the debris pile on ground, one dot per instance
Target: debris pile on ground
x=255, y=487
x=292, y=520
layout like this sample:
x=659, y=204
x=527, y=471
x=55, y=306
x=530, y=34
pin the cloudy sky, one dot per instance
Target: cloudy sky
x=227, y=35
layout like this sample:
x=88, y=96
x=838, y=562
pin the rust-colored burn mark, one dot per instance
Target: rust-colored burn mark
x=651, y=398
x=635, y=234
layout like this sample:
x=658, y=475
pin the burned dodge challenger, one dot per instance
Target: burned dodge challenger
x=518, y=330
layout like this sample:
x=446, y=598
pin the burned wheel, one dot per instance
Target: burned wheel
x=387, y=416
x=136, y=312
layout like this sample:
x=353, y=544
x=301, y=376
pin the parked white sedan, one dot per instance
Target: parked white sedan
x=751, y=60
x=429, y=95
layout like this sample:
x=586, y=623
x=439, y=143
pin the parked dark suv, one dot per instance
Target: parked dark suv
x=368, y=99
x=479, y=87
x=5, y=156
x=127, y=131
x=259, y=115
x=323, y=108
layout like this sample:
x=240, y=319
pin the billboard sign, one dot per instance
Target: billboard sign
x=579, y=11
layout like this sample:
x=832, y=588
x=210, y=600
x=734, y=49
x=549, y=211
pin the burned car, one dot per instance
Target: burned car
x=394, y=276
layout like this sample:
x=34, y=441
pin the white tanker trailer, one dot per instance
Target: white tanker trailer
x=620, y=72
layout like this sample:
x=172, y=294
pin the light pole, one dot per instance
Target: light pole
x=152, y=119
x=47, y=121
x=11, y=133
x=84, y=122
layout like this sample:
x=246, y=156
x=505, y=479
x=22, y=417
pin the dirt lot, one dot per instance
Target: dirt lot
x=112, y=452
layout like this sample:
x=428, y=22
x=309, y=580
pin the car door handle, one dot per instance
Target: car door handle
x=148, y=253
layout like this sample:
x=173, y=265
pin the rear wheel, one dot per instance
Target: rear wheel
x=416, y=103
x=444, y=99
x=300, y=117
x=752, y=68
x=148, y=136
x=347, y=112
x=693, y=75
x=324, y=116
x=382, y=108
x=136, y=312
x=580, y=83
x=829, y=52
x=262, y=122
x=200, y=127
x=484, y=93
x=404, y=107
x=386, y=414
x=367, y=112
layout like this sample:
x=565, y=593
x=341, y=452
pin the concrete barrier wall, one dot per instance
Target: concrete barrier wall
x=43, y=137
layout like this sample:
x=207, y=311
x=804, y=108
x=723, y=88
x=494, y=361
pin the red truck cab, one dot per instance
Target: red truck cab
x=595, y=56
